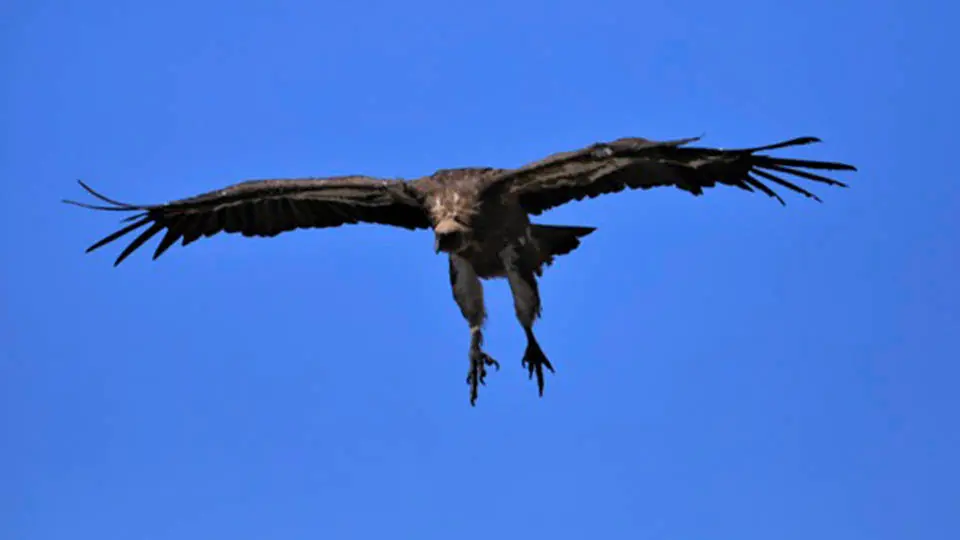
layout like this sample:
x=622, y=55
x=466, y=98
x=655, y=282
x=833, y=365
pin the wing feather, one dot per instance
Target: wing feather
x=636, y=163
x=266, y=208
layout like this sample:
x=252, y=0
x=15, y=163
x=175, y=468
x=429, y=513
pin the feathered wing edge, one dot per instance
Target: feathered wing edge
x=140, y=219
x=766, y=166
x=637, y=163
x=190, y=227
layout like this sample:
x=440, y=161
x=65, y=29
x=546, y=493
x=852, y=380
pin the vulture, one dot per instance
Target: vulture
x=480, y=216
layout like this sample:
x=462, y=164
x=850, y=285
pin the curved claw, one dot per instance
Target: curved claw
x=478, y=372
x=534, y=360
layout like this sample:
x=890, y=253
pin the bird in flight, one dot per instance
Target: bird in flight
x=480, y=216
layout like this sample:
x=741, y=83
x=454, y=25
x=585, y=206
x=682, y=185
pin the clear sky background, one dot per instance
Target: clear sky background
x=727, y=368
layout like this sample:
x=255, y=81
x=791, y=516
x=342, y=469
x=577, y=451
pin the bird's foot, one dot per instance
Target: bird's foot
x=534, y=360
x=479, y=361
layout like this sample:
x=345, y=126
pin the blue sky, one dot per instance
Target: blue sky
x=726, y=367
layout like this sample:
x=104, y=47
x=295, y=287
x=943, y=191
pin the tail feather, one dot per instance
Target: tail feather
x=556, y=240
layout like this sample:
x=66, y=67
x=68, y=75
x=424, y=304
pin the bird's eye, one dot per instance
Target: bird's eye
x=602, y=151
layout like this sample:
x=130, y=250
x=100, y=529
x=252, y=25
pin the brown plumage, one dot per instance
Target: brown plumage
x=480, y=216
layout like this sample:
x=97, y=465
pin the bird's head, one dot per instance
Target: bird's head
x=451, y=236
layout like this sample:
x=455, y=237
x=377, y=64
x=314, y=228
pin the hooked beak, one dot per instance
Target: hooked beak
x=448, y=236
x=448, y=242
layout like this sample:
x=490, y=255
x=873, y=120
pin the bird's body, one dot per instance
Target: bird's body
x=476, y=224
x=480, y=216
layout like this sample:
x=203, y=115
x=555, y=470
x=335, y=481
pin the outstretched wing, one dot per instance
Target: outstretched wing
x=642, y=164
x=267, y=208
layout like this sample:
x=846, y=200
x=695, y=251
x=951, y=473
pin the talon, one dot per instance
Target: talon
x=534, y=360
x=477, y=374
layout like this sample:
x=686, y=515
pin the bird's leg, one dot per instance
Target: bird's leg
x=479, y=361
x=468, y=292
x=526, y=301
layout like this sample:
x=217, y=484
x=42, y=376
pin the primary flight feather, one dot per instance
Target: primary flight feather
x=480, y=215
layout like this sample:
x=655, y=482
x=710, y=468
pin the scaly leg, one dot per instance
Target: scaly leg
x=521, y=273
x=468, y=292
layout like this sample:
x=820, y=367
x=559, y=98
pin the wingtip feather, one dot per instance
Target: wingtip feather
x=117, y=205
